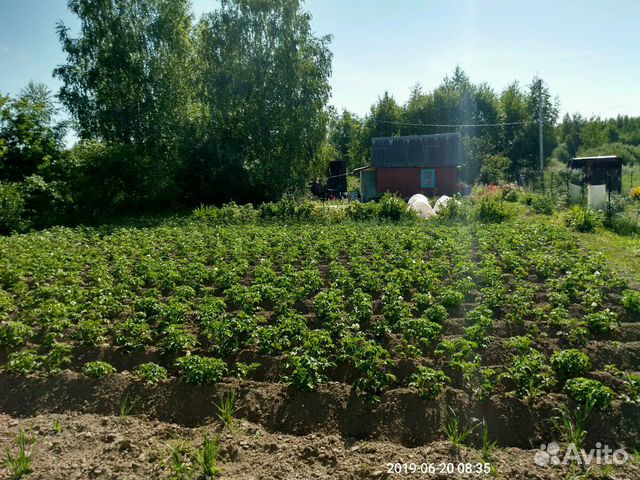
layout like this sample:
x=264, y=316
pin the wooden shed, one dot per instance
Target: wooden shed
x=426, y=164
x=602, y=170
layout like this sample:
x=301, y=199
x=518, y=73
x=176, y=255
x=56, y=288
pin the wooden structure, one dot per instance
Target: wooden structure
x=602, y=170
x=426, y=164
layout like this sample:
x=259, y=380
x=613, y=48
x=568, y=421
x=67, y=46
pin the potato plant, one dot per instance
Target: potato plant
x=496, y=307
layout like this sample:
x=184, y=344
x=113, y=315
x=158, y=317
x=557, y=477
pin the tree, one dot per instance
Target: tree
x=344, y=135
x=495, y=169
x=128, y=74
x=265, y=84
x=30, y=137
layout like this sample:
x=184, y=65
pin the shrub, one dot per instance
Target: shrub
x=544, y=204
x=98, y=369
x=631, y=301
x=570, y=363
x=361, y=212
x=151, y=373
x=199, y=370
x=583, y=220
x=490, y=209
x=583, y=389
x=394, y=208
x=12, y=208
x=455, y=209
x=429, y=382
x=228, y=214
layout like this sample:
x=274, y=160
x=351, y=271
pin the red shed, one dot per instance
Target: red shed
x=426, y=164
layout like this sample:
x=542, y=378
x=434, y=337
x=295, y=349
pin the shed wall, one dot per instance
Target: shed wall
x=406, y=181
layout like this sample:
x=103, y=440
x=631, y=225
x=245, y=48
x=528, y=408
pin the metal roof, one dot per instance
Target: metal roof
x=600, y=157
x=438, y=150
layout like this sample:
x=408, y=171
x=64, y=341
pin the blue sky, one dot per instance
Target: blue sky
x=588, y=51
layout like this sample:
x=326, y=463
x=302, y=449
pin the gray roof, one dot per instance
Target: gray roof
x=438, y=150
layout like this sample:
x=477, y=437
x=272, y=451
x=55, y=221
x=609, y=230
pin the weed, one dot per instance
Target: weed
x=455, y=430
x=488, y=447
x=181, y=469
x=227, y=409
x=207, y=457
x=57, y=426
x=126, y=406
x=19, y=464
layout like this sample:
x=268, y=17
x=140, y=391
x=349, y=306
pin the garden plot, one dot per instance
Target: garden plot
x=367, y=332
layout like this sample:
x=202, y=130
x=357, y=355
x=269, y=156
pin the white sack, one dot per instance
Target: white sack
x=441, y=203
x=422, y=209
x=418, y=197
x=597, y=197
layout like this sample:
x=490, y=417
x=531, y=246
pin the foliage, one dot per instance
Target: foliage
x=429, y=382
x=631, y=301
x=151, y=373
x=19, y=464
x=570, y=363
x=207, y=457
x=583, y=219
x=199, y=370
x=14, y=334
x=23, y=362
x=98, y=369
x=495, y=169
x=583, y=390
x=490, y=209
x=601, y=322
x=531, y=374
x=12, y=208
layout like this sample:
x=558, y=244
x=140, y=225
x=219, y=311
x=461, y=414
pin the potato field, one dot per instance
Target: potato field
x=298, y=347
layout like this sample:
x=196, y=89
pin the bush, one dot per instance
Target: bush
x=394, y=208
x=543, y=204
x=228, y=214
x=362, y=212
x=286, y=209
x=454, y=209
x=490, y=209
x=583, y=389
x=570, y=363
x=199, y=370
x=151, y=373
x=12, y=208
x=583, y=220
x=429, y=382
x=98, y=369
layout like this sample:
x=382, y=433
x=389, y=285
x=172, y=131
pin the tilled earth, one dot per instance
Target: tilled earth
x=88, y=446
